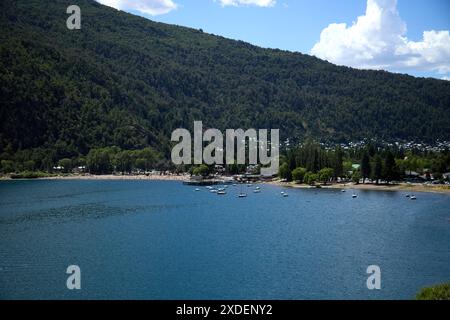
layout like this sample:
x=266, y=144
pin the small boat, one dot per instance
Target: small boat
x=221, y=193
x=408, y=196
x=197, y=189
x=285, y=195
x=282, y=192
x=413, y=198
x=354, y=196
x=257, y=191
x=213, y=191
x=258, y=188
x=242, y=195
x=209, y=187
x=343, y=190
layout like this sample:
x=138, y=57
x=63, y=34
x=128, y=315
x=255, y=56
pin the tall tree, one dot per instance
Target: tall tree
x=365, y=166
x=285, y=172
x=390, y=168
x=325, y=175
x=377, y=169
x=338, y=163
x=298, y=174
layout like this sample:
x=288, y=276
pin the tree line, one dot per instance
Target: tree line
x=311, y=163
x=97, y=161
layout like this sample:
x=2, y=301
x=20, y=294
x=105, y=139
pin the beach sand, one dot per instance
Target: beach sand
x=406, y=187
x=409, y=188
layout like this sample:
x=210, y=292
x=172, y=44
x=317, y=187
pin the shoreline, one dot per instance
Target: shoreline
x=182, y=178
x=371, y=187
x=108, y=177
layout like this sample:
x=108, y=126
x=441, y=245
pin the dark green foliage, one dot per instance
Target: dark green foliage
x=124, y=161
x=99, y=161
x=356, y=177
x=440, y=292
x=7, y=166
x=298, y=174
x=66, y=164
x=390, y=168
x=387, y=163
x=338, y=165
x=325, y=175
x=129, y=82
x=285, y=172
x=377, y=169
x=110, y=159
x=365, y=166
x=29, y=175
x=202, y=170
x=311, y=178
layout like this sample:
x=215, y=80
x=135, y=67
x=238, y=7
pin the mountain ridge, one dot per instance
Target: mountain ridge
x=128, y=81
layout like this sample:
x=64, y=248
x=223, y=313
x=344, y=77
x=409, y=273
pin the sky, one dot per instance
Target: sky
x=404, y=36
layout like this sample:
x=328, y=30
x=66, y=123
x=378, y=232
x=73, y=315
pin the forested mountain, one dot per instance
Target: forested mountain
x=126, y=81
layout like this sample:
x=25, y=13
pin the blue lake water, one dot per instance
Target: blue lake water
x=163, y=240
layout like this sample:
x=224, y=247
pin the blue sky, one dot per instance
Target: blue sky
x=297, y=25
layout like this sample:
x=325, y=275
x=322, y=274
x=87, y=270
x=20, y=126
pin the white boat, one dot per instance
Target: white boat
x=221, y=193
x=197, y=189
x=257, y=191
x=354, y=196
x=258, y=188
x=285, y=195
x=413, y=198
x=408, y=196
x=242, y=194
x=213, y=191
x=343, y=190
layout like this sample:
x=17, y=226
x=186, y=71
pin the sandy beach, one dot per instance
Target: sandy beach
x=407, y=187
x=410, y=188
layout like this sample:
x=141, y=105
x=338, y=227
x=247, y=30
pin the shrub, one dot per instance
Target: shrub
x=439, y=292
x=298, y=174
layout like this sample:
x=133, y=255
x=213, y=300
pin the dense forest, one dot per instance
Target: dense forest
x=126, y=82
x=311, y=163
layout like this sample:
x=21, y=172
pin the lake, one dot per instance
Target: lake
x=163, y=240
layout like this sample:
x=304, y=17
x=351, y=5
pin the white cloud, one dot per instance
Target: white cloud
x=377, y=40
x=151, y=7
x=258, y=3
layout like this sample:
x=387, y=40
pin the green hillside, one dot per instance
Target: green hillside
x=126, y=81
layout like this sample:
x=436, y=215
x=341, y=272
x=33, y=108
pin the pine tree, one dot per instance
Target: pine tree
x=377, y=169
x=338, y=163
x=365, y=166
x=390, y=168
